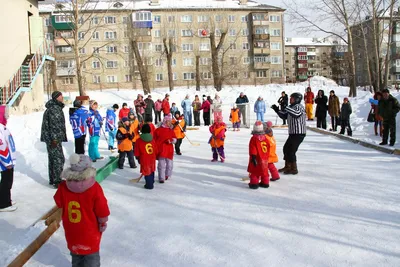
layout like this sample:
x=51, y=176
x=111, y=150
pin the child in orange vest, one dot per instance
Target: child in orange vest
x=125, y=138
x=134, y=125
x=258, y=157
x=273, y=157
x=179, y=129
x=235, y=118
x=217, y=139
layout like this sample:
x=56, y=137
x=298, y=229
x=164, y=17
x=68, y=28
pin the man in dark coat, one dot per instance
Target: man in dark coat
x=241, y=102
x=388, y=109
x=322, y=109
x=53, y=134
x=283, y=102
x=148, y=110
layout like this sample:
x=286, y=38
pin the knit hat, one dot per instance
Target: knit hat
x=166, y=119
x=269, y=124
x=166, y=95
x=146, y=129
x=4, y=114
x=218, y=118
x=258, y=127
x=55, y=95
x=115, y=106
x=77, y=103
x=125, y=119
x=81, y=168
x=92, y=102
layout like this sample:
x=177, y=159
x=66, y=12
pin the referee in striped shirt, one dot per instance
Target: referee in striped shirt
x=296, y=117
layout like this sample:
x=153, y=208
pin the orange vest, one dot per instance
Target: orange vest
x=217, y=142
x=177, y=130
x=135, y=130
x=234, y=115
x=273, y=157
x=126, y=144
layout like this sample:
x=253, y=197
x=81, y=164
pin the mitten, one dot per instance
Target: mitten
x=102, y=224
x=254, y=160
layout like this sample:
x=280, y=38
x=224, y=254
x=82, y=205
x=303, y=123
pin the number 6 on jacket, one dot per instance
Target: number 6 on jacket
x=76, y=212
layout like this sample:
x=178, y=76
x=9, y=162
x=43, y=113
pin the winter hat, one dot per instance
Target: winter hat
x=124, y=105
x=166, y=119
x=258, y=127
x=234, y=106
x=81, y=168
x=77, y=103
x=218, y=118
x=177, y=112
x=92, y=102
x=204, y=96
x=3, y=114
x=332, y=91
x=131, y=113
x=115, y=106
x=345, y=99
x=139, y=95
x=167, y=95
x=269, y=124
x=297, y=97
x=125, y=119
x=269, y=131
x=55, y=95
x=146, y=129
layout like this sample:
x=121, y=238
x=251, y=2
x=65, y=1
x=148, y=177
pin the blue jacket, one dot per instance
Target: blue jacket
x=95, y=122
x=78, y=119
x=173, y=110
x=111, y=120
x=187, y=105
x=259, y=106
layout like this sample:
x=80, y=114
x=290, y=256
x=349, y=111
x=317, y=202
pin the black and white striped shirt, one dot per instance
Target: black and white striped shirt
x=296, y=116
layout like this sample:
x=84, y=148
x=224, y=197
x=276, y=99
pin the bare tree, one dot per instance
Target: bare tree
x=142, y=66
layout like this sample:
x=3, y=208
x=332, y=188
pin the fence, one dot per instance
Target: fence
x=225, y=110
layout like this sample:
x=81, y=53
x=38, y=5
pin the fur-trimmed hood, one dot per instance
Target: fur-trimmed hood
x=71, y=175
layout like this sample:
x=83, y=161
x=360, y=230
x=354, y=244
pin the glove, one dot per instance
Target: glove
x=54, y=144
x=254, y=160
x=176, y=123
x=275, y=108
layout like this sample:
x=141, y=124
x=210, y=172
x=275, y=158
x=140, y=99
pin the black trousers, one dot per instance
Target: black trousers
x=158, y=116
x=196, y=115
x=148, y=117
x=321, y=122
x=80, y=145
x=334, y=122
x=206, y=118
x=282, y=109
x=7, y=178
x=178, y=146
x=131, y=159
x=389, y=126
x=291, y=146
x=345, y=124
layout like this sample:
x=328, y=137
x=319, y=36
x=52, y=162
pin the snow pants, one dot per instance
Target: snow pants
x=254, y=179
x=291, y=146
x=111, y=138
x=80, y=145
x=178, y=145
x=196, y=115
x=56, y=163
x=131, y=159
x=91, y=260
x=94, y=147
x=206, y=118
x=389, y=126
x=164, y=167
x=236, y=125
x=220, y=151
x=260, y=116
x=188, y=117
x=158, y=116
x=7, y=178
x=149, y=181
x=309, y=111
x=273, y=170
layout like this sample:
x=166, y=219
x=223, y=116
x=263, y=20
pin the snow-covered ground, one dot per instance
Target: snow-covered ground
x=341, y=210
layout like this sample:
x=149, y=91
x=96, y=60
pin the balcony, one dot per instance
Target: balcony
x=260, y=36
x=63, y=41
x=312, y=53
x=261, y=50
x=143, y=24
x=395, y=70
x=61, y=23
x=66, y=71
x=302, y=77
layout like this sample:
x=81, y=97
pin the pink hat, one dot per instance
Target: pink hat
x=218, y=118
x=166, y=119
x=269, y=124
x=258, y=127
x=3, y=114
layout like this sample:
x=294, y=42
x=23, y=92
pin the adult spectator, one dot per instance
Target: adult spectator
x=205, y=106
x=165, y=107
x=196, y=104
x=217, y=107
x=296, y=117
x=322, y=108
x=334, y=110
x=259, y=108
x=140, y=105
x=158, y=107
x=241, y=102
x=283, y=103
x=78, y=116
x=148, y=110
x=7, y=162
x=53, y=134
x=309, y=100
x=388, y=109
x=187, y=110
x=378, y=118
x=124, y=111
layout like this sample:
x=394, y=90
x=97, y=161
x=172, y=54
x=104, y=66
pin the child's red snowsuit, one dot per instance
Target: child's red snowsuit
x=164, y=138
x=147, y=153
x=259, y=146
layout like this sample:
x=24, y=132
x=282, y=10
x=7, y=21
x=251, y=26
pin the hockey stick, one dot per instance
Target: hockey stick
x=193, y=144
x=104, y=134
x=216, y=148
x=136, y=180
x=246, y=178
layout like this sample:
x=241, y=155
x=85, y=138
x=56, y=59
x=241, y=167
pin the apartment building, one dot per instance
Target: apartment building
x=251, y=53
x=308, y=57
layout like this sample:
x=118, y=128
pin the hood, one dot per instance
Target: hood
x=323, y=94
x=80, y=186
x=146, y=137
x=53, y=102
x=70, y=175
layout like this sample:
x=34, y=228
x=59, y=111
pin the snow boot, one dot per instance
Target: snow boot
x=383, y=143
x=9, y=209
x=263, y=185
x=214, y=160
x=275, y=179
x=285, y=168
x=161, y=181
x=376, y=129
x=166, y=177
x=293, y=169
x=253, y=186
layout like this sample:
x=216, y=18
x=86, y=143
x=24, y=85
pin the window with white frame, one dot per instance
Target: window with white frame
x=245, y=46
x=276, y=59
x=62, y=19
x=67, y=34
x=187, y=33
x=112, y=64
x=188, y=76
x=231, y=18
x=128, y=78
x=96, y=64
x=110, y=35
x=159, y=77
x=261, y=59
x=246, y=60
x=96, y=50
x=83, y=64
x=205, y=75
x=65, y=64
x=232, y=46
x=261, y=74
x=202, y=18
x=186, y=18
x=173, y=62
x=218, y=32
x=274, y=18
x=157, y=19
x=143, y=16
x=187, y=47
x=126, y=63
x=82, y=50
x=262, y=30
x=205, y=61
x=276, y=73
x=157, y=33
x=218, y=18
x=232, y=32
x=159, y=62
x=397, y=63
x=80, y=21
x=47, y=22
x=188, y=61
x=302, y=49
x=158, y=47
x=302, y=57
x=245, y=18
x=81, y=35
x=245, y=32
x=112, y=79
x=67, y=80
x=49, y=36
x=95, y=20
x=144, y=46
x=174, y=76
x=96, y=36
x=233, y=60
x=110, y=20
x=204, y=46
x=111, y=49
x=125, y=20
x=397, y=77
x=275, y=32
x=275, y=46
x=96, y=79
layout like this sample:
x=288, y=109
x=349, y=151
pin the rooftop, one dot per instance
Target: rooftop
x=308, y=42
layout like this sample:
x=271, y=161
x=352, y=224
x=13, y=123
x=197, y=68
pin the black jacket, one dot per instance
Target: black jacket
x=388, y=108
x=345, y=111
x=149, y=106
x=53, y=124
x=322, y=105
x=283, y=101
x=242, y=100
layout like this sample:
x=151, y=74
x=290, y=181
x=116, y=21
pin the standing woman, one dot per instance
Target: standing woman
x=378, y=118
x=334, y=110
x=259, y=109
x=321, y=110
x=283, y=103
x=196, y=104
x=205, y=106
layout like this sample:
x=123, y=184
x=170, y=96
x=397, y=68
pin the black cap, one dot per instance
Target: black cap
x=55, y=94
x=124, y=105
x=297, y=97
x=77, y=103
x=146, y=129
x=177, y=113
x=115, y=106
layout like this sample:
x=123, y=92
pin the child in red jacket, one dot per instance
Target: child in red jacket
x=165, y=139
x=146, y=151
x=84, y=211
x=258, y=157
x=217, y=139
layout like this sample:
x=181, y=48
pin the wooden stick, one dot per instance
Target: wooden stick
x=46, y=215
x=56, y=216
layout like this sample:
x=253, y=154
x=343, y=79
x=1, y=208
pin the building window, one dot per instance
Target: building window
x=82, y=50
x=274, y=18
x=158, y=47
x=112, y=64
x=246, y=60
x=204, y=47
x=245, y=18
x=202, y=18
x=47, y=22
x=111, y=49
x=233, y=60
x=187, y=33
x=126, y=49
x=188, y=62
x=232, y=46
x=174, y=76
x=171, y=33
x=245, y=75
x=126, y=64
x=171, y=18
x=96, y=64
x=359, y=79
x=217, y=32
x=49, y=36
x=398, y=63
x=81, y=35
x=157, y=33
x=143, y=16
x=96, y=50
x=234, y=75
x=261, y=59
x=125, y=20
x=173, y=62
x=157, y=19
x=187, y=47
x=62, y=19
x=112, y=79
x=65, y=64
x=110, y=35
x=246, y=46
x=231, y=18
x=205, y=61
x=276, y=74
x=188, y=76
x=83, y=64
x=261, y=74
x=275, y=32
x=397, y=77
x=96, y=78
x=96, y=36
x=275, y=46
x=232, y=32
x=186, y=18
x=128, y=78
x=245, y=32
x=159, y=77
x=276, y=60
x=218, y=18
x=110, y=20
x=302, y=49
x=80, y=21
x=159, y=62
x=67, y=80
x=144, y=46
x=205, y=75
